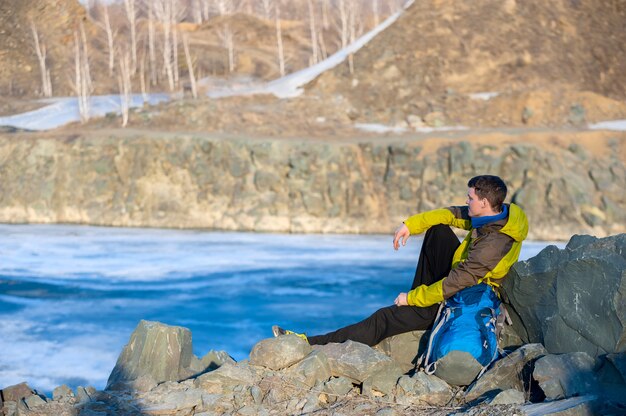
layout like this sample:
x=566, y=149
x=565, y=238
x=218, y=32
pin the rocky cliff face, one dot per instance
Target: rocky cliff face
x=570, y=183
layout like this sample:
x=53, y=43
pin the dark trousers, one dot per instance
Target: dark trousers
x=433, y=265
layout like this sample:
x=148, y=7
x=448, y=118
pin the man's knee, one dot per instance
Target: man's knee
x=439, y=231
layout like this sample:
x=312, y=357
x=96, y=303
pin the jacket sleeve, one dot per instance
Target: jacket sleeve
x=454, y=216
x=482, y=258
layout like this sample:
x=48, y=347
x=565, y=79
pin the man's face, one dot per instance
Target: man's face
x=477, y=206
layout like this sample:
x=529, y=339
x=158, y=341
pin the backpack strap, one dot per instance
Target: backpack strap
x=493, y=322
x=442, y=316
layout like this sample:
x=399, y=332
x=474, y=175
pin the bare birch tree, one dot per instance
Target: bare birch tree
x=142, y=75
x=196, y=11
x=81, y=84
x=322, y=42
x=352, y=30
x=206, y=9
x=87, y=71
x=344, y=20
x=313, y=29
x=178, y=14
x=163, y=13
x=151, y=43
x=267, y=9
x=325, y=19
x=40, y=49
x=106, y=26
x=131, y=13
x=279, y=40
x=223, y=7
x=226, y=33
x=192, y=78
x=123, y=80
x=375, y=12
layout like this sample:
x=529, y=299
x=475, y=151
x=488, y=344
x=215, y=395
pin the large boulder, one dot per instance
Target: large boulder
x=458, y=368
x=280, y=352
x=565, y=375
x=572, y=299
x=513, y=371
x=405, y=349
x=312, y=369
x=354, y=360
x=155, y=353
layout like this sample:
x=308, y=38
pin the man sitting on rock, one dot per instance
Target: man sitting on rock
x=445, y=266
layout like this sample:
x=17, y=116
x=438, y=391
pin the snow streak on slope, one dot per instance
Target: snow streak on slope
x=291, y=85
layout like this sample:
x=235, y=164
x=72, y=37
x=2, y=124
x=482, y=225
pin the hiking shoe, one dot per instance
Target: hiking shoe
x=278, y=331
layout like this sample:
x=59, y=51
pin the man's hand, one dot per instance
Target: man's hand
x=401, y=233
x=401, y=300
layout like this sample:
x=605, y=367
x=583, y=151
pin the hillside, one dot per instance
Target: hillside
x=55, y=22
x=562, y=61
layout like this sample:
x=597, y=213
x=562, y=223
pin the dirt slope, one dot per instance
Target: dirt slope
x=441, y=50
x=55, y=21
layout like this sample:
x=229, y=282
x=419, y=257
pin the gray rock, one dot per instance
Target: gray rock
x=159, y=351
x=62, y=393
x=386, y=411
x=575, y=406
x=253, y=410
x=226, y=377
x=279, y=352
x=336, y=387
x=566, y=375
x=572, y=299
x=422, y=388
x=383, y=381
x=82, y=396
x=10, y=408
x=34, y=401
x=510, y=396
x=16, y=392
x=44, y=409
x=312, y=369
x=405, y=348
x=257, y=394
x=170, y=402
x=431, y=389
x=215, y=359
x=613, y=369
x=509, y=339
x=458, y=368
x=354, y=360
x=312, y=403
x=509, y=372
x=619, y=362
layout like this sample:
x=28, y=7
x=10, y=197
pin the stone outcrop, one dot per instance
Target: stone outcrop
x=198, y=181
x=572, y=299
x=405, y=349
x=309, y=386
x=157, y=353
x=354, y=360
x=513, y=371
x=565, y=375
x=277, y=353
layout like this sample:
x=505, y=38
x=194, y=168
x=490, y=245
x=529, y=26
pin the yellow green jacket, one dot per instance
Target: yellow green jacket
x=485, y=255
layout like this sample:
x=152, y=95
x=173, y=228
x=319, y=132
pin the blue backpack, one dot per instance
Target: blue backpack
x=466, y=322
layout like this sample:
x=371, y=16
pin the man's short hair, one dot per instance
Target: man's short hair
x=491, y=188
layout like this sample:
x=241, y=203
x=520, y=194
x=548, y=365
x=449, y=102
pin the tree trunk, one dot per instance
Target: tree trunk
x=279, y=40
x=192, y=78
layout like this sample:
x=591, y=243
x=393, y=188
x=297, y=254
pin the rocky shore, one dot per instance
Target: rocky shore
x=567, y=182
x=564, y=354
